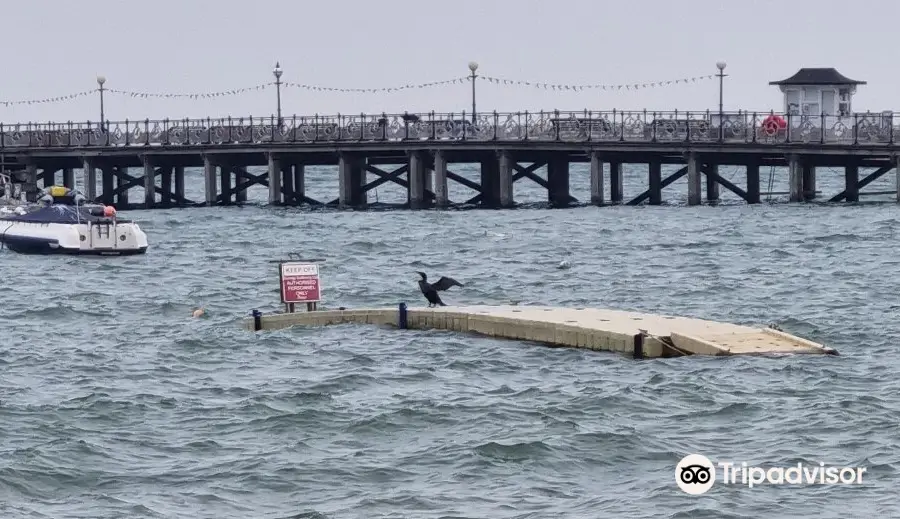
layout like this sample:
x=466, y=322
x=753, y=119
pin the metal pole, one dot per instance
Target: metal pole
x=473, y=67
x=721, y=110
x=721, y=66
x=277, y=72
x=101, y=80
x=102, y=115
x=721, y=86
x=473, y=97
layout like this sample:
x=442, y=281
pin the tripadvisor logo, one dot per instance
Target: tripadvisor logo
x=695, y=474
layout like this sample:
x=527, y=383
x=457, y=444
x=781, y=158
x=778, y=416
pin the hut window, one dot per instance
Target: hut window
x=844, y=102
x=793, y=102
x=828, y=98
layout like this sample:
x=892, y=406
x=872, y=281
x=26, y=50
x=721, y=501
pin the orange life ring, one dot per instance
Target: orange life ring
x=770, y=127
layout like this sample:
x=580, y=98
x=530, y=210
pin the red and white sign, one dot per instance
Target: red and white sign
x=300, y=283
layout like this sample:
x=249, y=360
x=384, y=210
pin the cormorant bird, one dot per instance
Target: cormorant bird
x=430, y=290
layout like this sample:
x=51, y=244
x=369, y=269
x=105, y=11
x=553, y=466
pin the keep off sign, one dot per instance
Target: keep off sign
x=300, y=283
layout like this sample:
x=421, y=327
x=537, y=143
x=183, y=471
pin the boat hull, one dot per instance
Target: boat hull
x=92, y=239
x=43, y=246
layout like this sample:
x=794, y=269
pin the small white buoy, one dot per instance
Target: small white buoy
x=564, y=264
x=199, y=312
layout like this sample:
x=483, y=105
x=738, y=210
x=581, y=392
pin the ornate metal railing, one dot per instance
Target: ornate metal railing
x=583, y=126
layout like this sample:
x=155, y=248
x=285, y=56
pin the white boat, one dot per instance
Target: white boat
x=63, y=222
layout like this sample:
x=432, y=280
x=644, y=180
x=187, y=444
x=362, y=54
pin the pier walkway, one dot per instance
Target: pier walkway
x=637, y=334
x=509, y=147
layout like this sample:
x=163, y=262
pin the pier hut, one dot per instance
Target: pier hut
x=818, y=104
x=815, y=91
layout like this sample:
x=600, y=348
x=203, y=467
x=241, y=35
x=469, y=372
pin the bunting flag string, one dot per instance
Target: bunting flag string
x=316, y=88
x=408, y=86
x=49, y=99
x=200, y=95
x=577, y=88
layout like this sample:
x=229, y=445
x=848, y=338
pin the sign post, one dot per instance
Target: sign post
x=300, y=283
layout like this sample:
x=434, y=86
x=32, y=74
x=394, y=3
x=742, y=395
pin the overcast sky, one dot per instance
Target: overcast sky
x=198, y=46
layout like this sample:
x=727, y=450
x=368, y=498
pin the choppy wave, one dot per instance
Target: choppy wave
x=114, y=402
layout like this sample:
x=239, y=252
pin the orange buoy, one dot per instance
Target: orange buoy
x=198, y=312
x=109, y=211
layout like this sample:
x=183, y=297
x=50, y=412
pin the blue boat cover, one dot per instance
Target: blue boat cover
x=66, y=214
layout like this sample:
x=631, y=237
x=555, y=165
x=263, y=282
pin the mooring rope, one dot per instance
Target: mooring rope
x=665, y=340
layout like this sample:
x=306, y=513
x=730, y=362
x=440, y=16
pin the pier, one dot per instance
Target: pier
x=637, y=334
x=509, y=147
x=419, y=152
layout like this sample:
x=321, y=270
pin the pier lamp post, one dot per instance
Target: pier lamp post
x=473, y=67
x=100, y=81
x=721, y=66
x=277, y=73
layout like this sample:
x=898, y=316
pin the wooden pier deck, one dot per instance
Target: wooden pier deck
x=638, y=334
x=509, y=147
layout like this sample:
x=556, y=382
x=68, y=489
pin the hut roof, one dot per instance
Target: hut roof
x=818, y=76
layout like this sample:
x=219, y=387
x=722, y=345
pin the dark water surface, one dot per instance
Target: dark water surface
x=114, y=402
